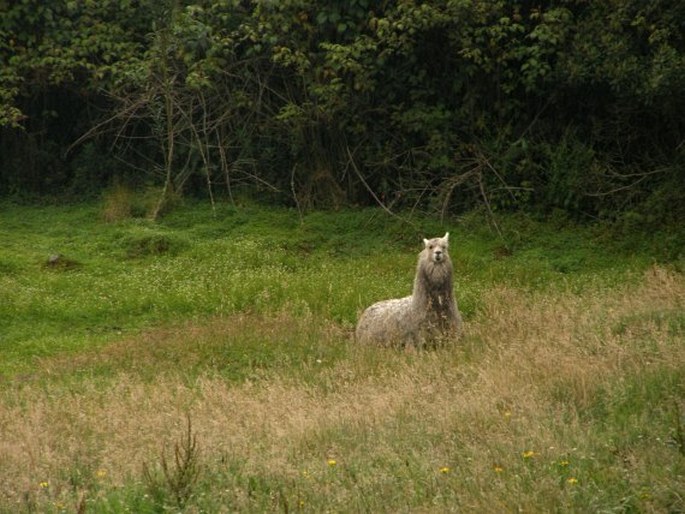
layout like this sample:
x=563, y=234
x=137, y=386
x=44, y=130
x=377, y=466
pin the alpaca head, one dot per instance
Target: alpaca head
x=436, y=248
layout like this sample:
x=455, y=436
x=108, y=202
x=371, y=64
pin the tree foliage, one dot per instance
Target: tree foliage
x=444, y=104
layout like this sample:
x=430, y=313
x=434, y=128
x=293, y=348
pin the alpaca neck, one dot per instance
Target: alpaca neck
x=432, y=285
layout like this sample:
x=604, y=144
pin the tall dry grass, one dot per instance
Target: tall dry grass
x=506, y=421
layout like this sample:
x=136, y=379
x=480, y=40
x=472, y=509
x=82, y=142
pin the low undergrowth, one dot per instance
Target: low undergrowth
x=222, y=376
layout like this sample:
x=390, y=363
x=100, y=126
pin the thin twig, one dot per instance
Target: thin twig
x=292, y=188
x=372, y=193
x=486, y=200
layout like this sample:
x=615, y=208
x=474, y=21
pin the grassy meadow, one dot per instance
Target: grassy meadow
x=205, y=363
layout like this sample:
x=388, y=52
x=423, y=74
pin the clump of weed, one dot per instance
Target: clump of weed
x=119, y=203
x=177, y=478
x=679, y=431
x=59, y=262
x=152, y=244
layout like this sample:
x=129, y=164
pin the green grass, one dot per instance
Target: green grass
x=566, y=393
x=198, y=263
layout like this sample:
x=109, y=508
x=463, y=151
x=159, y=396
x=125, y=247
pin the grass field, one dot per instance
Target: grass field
x=205, y=363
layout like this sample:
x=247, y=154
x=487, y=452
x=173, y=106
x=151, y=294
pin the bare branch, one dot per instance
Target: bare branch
x=639, y=176
x=371, y=191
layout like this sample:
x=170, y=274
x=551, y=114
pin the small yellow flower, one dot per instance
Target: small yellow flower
x=563, y=463
x=507, y=414
x=498, y=469
x=44, y=485
x=528, y=454
x=305, y=473
x=332, y=462
x=101, y=473
x=572, y=480
x=444, y=470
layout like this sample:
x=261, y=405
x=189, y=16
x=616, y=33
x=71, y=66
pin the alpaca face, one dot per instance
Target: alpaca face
x=437, y=248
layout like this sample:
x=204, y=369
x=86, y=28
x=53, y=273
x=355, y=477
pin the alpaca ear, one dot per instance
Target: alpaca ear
x=446, y=238
x=425, y=242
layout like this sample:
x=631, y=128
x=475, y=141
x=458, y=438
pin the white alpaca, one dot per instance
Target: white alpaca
x=429, y=315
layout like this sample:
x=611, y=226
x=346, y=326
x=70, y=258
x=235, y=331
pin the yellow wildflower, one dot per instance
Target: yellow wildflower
x=498, y=469
x=528, y=454
x=444, y=470
x=44, y=485
x=332, y=462
x=572, y=480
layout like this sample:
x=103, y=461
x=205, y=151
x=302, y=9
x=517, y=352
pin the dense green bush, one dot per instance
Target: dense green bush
x=446, y=104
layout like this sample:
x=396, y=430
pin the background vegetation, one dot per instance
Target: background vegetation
x=563, y=104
